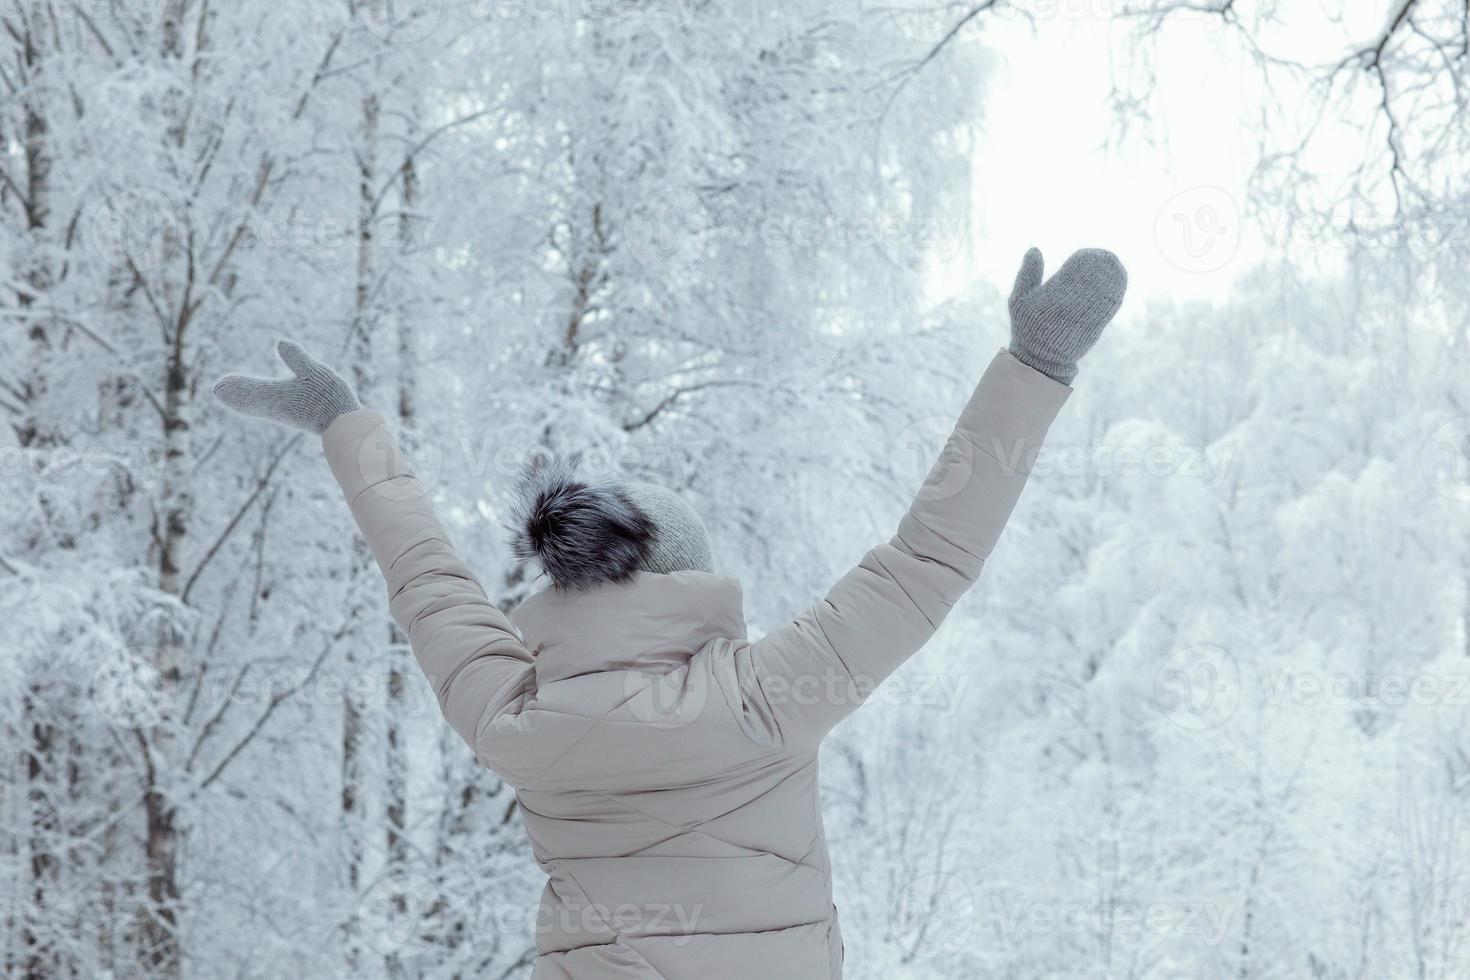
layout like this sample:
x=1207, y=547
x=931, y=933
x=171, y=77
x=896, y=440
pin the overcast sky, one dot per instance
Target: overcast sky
x=1044, y=175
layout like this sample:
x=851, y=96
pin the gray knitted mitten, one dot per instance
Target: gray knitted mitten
x=1054, y=323
x=311, y=400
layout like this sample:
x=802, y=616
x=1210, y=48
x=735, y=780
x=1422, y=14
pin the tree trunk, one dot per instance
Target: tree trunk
x=34, y=432
x=354, y=721
x=162, y=952
x=39, y=960
x=395, y=763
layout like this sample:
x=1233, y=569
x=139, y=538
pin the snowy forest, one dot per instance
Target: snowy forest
x=1207, y=713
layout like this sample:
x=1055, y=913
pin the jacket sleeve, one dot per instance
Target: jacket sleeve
x=465, y=645
x=802, y=678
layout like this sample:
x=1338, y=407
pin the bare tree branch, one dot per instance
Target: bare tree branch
x=260, y=485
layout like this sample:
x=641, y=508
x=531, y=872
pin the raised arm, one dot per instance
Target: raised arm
x=801, y=679
x=469, y=651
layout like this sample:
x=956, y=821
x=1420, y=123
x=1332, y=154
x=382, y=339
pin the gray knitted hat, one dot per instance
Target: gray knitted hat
x=582, y=532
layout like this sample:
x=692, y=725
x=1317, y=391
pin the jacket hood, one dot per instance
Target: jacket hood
x=649, y=621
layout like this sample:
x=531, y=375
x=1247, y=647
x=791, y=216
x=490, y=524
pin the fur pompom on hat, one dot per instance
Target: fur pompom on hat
x=578, y=532
x=582, y=532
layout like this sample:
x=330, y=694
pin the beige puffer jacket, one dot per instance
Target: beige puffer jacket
x=666, y=765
